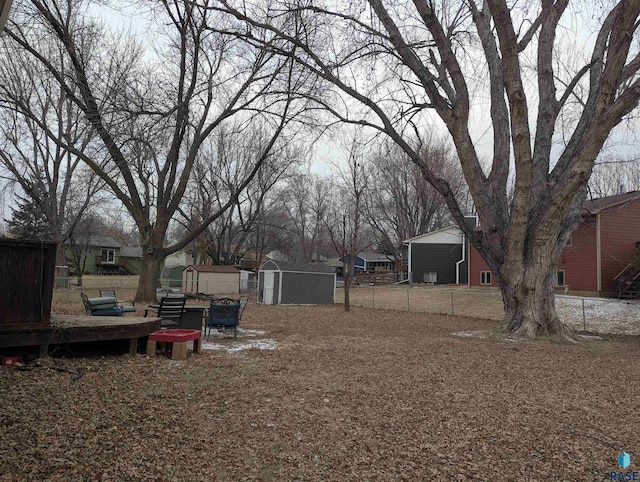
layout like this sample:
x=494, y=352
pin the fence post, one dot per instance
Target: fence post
x=452, y=302
x=408, y=304
x=584, y=317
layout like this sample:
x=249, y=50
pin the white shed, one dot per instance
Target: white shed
x=211, y=279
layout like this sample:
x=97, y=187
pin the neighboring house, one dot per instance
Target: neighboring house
x=211, y=279
x=131, y=259
x=438, y=257
x=174, y=265
x=277, y=255
x=602, y=248
x=319, y=258
x=372, y=261
x=248, y=261
x=336, y=264
x=105, y=255
x=251, y=259
x=181, y=258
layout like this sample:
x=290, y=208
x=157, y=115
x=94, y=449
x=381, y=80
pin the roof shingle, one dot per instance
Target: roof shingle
x=594, y=206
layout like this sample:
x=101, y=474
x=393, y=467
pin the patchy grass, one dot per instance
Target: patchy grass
x=364, y=395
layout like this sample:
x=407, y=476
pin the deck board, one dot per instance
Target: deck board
x=84, y=321
x=76, y=328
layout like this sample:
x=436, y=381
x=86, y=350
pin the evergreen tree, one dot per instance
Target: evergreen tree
x=29, y=222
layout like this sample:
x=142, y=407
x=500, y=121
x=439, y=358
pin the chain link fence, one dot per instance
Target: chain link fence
x=67, y=289
x=594, y=315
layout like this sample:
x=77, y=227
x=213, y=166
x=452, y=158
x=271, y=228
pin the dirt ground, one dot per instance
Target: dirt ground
x=365, y=395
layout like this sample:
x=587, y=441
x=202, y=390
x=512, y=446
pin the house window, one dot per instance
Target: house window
x=431, y=277
x=108, y=255
x=485, y=277
x=561, y=277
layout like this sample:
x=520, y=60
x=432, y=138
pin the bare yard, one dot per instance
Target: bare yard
x=365, y=395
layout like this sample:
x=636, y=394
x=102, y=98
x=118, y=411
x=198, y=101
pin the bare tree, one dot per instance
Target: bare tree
x=79, y=242
x=344, y=220
x=50, y=180
x=403, y=61
x=305, y=198
x=153, y=110
x=236, y=151
x=613, y=176
x=403, y=204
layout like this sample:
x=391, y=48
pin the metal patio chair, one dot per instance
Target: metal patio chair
x=224, y=314
x=170, y=310
x=103, y=306
x=112, y=294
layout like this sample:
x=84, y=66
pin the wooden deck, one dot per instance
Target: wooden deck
x=75, y=329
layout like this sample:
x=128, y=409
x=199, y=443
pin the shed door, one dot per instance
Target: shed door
x=269, y=277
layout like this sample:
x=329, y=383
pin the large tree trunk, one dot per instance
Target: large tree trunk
x=346, y=271
x=527, y=283
x=527, y=279
x=153, y=256
x=529, y=308
x=149, y=277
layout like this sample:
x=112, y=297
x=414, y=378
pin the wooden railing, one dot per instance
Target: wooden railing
x=628, y=282
x=376, y=277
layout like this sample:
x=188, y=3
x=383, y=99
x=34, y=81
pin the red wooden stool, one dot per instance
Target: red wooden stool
x=178, y=339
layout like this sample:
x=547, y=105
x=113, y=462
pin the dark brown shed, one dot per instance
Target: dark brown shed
x=26, y=282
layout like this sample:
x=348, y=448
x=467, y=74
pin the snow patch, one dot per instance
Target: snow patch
x=244, y=345
x=590, y=337
x=470, y=334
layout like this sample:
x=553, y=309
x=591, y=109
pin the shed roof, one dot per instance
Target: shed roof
x=594, y=206
x=302, y=267
x=211, y=268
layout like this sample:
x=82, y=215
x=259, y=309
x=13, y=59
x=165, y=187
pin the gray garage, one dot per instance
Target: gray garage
x=290, y=283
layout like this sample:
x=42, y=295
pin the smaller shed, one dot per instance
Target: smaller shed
x=210, y=279
x=247, y=280
x=171, y=276
x=291, y=283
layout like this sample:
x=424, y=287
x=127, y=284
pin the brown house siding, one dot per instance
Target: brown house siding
x=476, y=266
x=579, y=260
x=619, y=233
